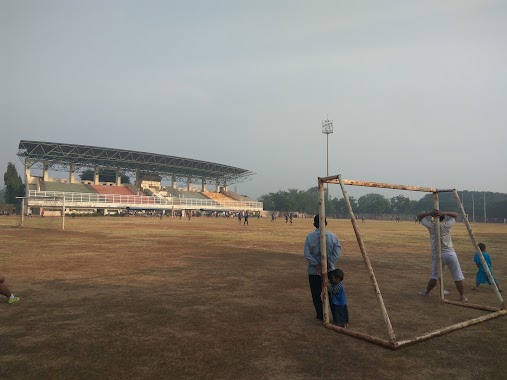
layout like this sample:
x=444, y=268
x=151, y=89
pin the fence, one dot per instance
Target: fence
x=90, y=200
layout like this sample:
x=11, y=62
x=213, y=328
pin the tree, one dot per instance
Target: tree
x=13, y=184
x=400, y=205
x=292, y=200
x=274, y=201
x=497, y=210
x=373, y=204
x=104, y=176
x=307, y=202
x=339, y=207
x=446, y=202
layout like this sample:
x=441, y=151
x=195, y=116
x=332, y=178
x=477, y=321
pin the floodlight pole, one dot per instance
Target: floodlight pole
x=327, y=128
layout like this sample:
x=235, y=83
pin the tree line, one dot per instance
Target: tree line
x=306, y=201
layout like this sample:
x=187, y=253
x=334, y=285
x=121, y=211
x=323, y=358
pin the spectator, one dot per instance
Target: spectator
x=337, y=298
x=312, y=255
x=449, y=257
x=4, y=290
x=482, y=277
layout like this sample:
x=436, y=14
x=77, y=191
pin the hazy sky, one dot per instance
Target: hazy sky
x=416, y=89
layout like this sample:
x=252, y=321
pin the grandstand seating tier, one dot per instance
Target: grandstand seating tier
x=66, y=187
x=237, y=197
x=217, y=197
x=172, y=191
x=133, y=188
x=193, y=195
x=120, y=190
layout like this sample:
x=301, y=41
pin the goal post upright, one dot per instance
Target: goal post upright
x=393, y=344
x=23, y=200
x=323, y=253
x=438, y=247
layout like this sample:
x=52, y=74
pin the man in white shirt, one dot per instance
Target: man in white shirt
x=449, y=258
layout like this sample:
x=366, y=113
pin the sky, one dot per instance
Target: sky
x=415, y=89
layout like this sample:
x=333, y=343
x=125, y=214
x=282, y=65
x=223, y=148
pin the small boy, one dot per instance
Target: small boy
x=482, y=277
x=337, y=298
x=4, y=290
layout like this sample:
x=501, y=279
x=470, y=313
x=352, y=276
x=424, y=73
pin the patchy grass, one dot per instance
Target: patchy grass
x=138, y=298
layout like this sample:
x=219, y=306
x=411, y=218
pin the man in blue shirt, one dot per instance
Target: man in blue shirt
x=312, y=255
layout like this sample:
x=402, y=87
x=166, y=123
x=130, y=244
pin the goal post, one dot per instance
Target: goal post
x=393, y=343
x=50, y=211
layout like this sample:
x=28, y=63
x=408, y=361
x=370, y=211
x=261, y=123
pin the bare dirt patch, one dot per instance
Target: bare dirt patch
x=138, y=298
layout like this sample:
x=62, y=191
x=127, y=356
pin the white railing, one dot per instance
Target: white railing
x=94, y=200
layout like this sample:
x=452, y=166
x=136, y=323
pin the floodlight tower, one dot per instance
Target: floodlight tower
x=327, y=128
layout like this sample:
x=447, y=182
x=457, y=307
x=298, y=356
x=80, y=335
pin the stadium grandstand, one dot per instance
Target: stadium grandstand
x=187, y=181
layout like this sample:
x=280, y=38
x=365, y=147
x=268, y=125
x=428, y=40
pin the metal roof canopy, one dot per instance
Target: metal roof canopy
x=59, y=157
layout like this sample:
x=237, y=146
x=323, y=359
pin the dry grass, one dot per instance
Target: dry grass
x=130, y=298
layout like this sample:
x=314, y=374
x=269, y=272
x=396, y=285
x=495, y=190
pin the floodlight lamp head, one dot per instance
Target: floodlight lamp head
x=327, y=127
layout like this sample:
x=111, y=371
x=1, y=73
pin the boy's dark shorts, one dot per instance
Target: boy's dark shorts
x=340, y=315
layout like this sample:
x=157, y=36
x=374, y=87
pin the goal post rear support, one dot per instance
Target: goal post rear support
x=369, y=268
x=393, y=343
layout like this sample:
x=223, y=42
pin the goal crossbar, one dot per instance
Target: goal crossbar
x=393, y=343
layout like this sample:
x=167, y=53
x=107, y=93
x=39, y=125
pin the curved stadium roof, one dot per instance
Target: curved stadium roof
x=59, y=156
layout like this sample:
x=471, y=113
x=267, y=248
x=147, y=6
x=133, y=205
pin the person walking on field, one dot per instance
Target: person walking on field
x=449, y=257
x=4, y=290
x=312, y=255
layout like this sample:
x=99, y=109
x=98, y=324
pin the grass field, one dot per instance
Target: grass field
x=141, y=298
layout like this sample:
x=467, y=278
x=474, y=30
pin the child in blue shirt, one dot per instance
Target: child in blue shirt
x=337, y=298
x=482, y=277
